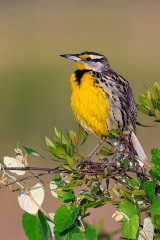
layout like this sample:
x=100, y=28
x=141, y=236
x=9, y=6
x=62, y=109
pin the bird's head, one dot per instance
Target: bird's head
x=89, y=60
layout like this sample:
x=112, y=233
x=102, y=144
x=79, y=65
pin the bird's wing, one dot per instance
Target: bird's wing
x=123, y=107
x=122, y=101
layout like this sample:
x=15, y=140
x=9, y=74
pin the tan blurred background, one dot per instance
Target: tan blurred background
x=34, y=80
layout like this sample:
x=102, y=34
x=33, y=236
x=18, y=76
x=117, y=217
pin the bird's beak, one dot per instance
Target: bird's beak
x=74, y=57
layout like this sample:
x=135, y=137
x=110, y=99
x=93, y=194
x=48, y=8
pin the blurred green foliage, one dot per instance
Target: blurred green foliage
x=150, y=101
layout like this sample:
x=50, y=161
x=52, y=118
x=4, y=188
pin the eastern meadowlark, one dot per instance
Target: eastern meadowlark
x=102, y=99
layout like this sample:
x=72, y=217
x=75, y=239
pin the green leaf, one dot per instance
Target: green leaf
x=57, y=179
x=71, y=162
x=155, y=170
x=155, y=155
x=106, y=151
x=96, y=203
x=89, y=234
x=126, y=163
x=60, y=135
x=145, y=101
x=115, y=132
x=62, y=148
x=43, y=223
x=149, y=188
x=32, y=227
x=144, y=110
x=155, y=206
x=72, y=137
x=49, y=143
x=127, y=208
x=156, y=220
x=132, y=183
x=119, y=195
x=82, y=135
x=72, y=206
x=65, y=196
x=139, y=179
x=80, y=132
x=131, y=221
x=130, y=227
x=71, y=185
x=65, y=218
x=33, y=152
x=87, y=196
x=127, y=194
x=56, y=152
x=67, y=234
x=138, y=192
x=150, y=101
x=66, y=167
x=138, y=211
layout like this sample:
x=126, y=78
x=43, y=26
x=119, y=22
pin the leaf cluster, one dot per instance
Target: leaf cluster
x=134, y=196
x=81, y=184
x=150, y=101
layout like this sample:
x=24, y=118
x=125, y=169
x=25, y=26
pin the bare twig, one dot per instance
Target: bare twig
x=46, y=172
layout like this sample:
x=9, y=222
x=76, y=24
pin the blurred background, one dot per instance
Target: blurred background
x=34, y=80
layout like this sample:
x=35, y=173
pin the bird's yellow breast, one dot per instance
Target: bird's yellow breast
x=89, y=103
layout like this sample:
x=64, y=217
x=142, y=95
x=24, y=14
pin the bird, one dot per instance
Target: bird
x=102, y=99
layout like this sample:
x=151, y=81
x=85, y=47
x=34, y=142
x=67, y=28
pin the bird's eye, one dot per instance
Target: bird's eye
x=88, y=59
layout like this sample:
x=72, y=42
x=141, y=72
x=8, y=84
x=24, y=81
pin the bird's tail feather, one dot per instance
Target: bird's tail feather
x=137, y=146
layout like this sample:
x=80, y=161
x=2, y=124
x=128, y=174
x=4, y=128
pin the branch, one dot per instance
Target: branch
x=47, y=171
x=32, y=168
x=96, y=168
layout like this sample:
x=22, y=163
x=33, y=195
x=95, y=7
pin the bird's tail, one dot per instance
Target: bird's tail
x=137, y=147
